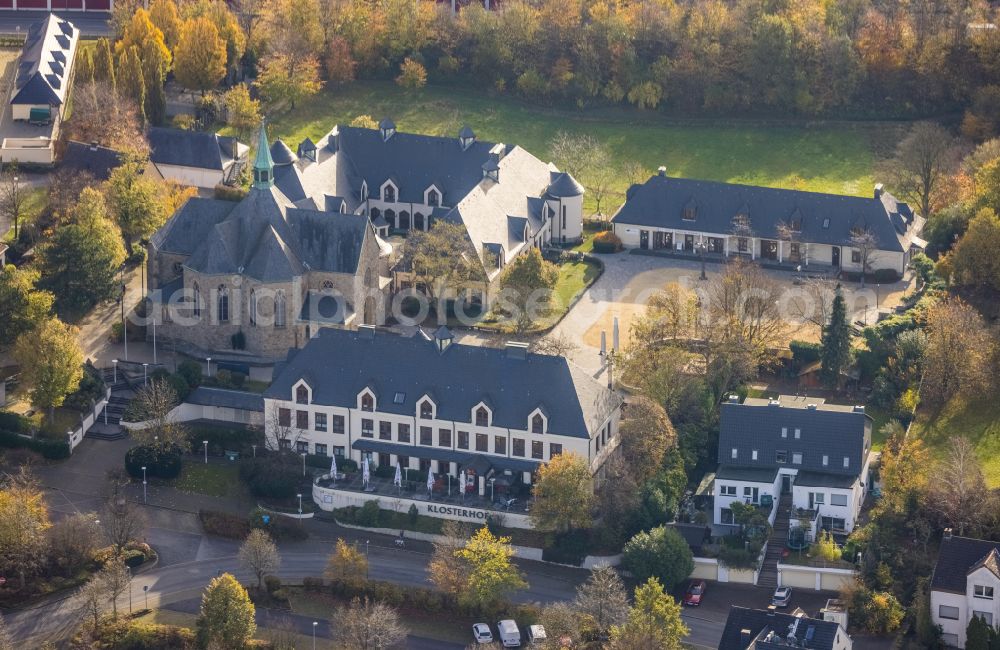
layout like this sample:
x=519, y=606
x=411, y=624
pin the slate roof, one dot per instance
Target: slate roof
x=661, y=202
x=834, y=431
x=957, y=557
x=235, y=399
x=345, y=362
x=760, y=622
x=464, y=458
x=185, y=148
x=562, y=185
x=42, y=77
x=749, y=474
x=281, y=154
x=825, y=479
x=93, y=159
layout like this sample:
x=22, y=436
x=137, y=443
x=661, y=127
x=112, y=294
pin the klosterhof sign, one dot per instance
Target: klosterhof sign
x=330, y=499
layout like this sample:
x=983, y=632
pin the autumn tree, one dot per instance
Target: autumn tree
x=959, y=493
x=294, y=28
x=525, y=285
x=163, y=14
x=836, y=342
x=140, y=30
x=242, y=111
x=155, y=106
x=446, y=569
x=922, y=161
x=367, y=625
x=259, y=554
x=347, y=565
x=959, y=352
x=92, y=598
x=412, y=75
x=84, y=67
x=564, y=494
x=51, y=362
x=644, y=436
x=121, y=519
x=131, y=83
x=974, y=260
x=602, y=600
x=153, y=404
x=865, y=241
x=743, y=317
x=104, y=66
x=660, y=553
x=905, y=465
x=491, y=575
x=72, y=541
x=81, y=262
x=225, y=22
x=116, y=578
x=25, y=305
x=133, y=200
x=227, y=615
x=442, y=258
x=338, y=60
x=102, y=115
x=26, y=519
x=654, y=621
x=200, y=61
x=283, y=79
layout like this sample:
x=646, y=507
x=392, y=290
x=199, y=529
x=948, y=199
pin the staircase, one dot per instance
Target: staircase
x=121, y=395
x=768, y=577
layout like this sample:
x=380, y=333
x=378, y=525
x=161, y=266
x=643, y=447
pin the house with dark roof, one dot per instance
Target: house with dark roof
x=767, y=629
x=811, y=230
x=813, y=454
x=45, y=70
x=965, y=583
x=196, y=158
x=96, y=161
x=256, y=277
x=428, y=403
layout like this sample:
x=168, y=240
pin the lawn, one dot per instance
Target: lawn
x=836, y=158
x=211, y=480
x=977, y=420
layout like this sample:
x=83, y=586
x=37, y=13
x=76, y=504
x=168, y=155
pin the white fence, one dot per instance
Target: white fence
x=76, y=435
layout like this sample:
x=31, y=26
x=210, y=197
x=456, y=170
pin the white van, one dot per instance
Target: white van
x=536, y=634
x=510, y=636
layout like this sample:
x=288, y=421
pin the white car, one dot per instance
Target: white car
x=482, y=633
x=782, y=596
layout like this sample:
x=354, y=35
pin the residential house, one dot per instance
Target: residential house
x=429, y=403
x=763, y=629
x=799, y=229
x=965, y=583
x=253, y=278
x=196, y=158
x=95, y=161
x=103, y=6
x=816, y=453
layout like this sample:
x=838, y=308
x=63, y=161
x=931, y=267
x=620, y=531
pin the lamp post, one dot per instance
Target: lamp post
x=367, y=573
x=254, y=447
x=304, y=463
x=493, y=481
x=122, y=300
x=701, y=253
x=145, y=591
x=315, y=623
x=205, y=445
x=208, y=366
x=114, y=362
x=877, y=287
x=129, y=569
x=145, y=368
x=300, y=502
x=155, y=314
x=144, y=484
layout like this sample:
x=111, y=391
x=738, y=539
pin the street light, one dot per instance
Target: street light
x=145, y=591
x=304, y=463
x=254, y=447
x=115, y=362
x=208, y=366
x=700, y=246
x=144, y=484
x=205, y=444
x=145, y=367
x=300, y=502
x=366, y=560
x=315, y=623
x=493, y=480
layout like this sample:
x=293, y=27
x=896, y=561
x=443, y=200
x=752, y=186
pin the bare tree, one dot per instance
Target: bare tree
x=791, y=232
x=106, y=117
x=562, y=624
x=121, y=519
x=743, y=318
x=154, y=403
x=603, y=600
x=92, y=598
x=573, y=152
x=116, y=578
x=259, y=554
x=634, y=172
x=959, y=354
x=279, y=433
x=922, y=161
x=555, y=344
x=281, y=635
x=865, y=241
x=367, y=625
x=73, y=540
x=12, y=196
x=815, y=306
x=960, y=494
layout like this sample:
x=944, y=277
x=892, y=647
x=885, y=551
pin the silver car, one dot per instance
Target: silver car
x=482, y=633
x=782, y=596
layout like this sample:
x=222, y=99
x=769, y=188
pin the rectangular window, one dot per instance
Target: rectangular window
x=819, y=498
x=986, y=616
x=948, y=612
x=426, y=436
x=403, y=433
x=302, y=447
x=320, y=421
x=796, y=458
x=337, y=424
x=537, y=450
x=726, y=516
x=826, y=460
x=499, y=445
x=753, y=454
x=338, y=452
x=367, y=428
x=517, y=447
x=847, y=461
x=463, y=439
x=727, y=490
x=385, y=430
x=982, y=591
x=734, y=453
x=320, y=449
x=838, y=499
x=781, y=456
x=798, y=433
x=784, y=432
x=302, y=419
x=284, y=418
x=444, y=438
x=554, y=450
x=855, y=256
x=284, y=444
x=482, y=442
x=741, y=243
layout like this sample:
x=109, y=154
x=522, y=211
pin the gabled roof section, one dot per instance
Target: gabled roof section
x=92, y=159
x=957, y=557
x=761, y=623
x=562, y=185
x=184, y=148
x=281, y=154
x=42, y=72
x=991, y=563
x=189, y=228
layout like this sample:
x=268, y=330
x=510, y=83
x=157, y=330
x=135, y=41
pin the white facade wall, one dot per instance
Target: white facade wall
x=568, y=226
x=773, y=489
x=968, y=605
x=191, y=176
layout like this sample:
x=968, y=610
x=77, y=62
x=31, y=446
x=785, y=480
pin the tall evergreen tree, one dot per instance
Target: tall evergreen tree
x=84, y=67
x=836, y=342
x=978, y=634
x=156, y=99
x=104, y=66
x=130, y=81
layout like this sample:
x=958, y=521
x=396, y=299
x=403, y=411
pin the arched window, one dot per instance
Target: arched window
x=482, y=417
x=433, y=198
x=279, y=309
x=301, y=395
x=368, y=278
x=367, y=403
x=389, y=194
x=537, y=424
x=253, y=308
x=426, y=410
x=223, y=304
x=197, y=300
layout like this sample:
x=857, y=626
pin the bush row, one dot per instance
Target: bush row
x=159, y=461
x=221, y=439
x=272, y=476
x=50, y=449
x=607, y=242
x=231, y=526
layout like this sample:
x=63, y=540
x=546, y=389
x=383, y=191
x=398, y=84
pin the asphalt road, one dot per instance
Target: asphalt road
x=89, y=24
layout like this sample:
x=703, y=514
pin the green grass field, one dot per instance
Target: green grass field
x=976, y=420
x=835, y=159
x=212, y=480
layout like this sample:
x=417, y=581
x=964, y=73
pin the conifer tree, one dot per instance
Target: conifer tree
x=84, y=67
x=156, y=99
x=104, y=67
x=836, y=342
x=130, y=82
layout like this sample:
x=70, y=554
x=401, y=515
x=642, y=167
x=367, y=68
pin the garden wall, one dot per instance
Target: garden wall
x=815, y=578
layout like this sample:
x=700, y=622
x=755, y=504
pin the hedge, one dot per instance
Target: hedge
x=14, y=422
x=230, y=526
x=568, y=548
x=160, y=462
x=221, y=439
x=50, y=449
x=224, y=524
x=607, y=242
x=269, y=477
x=804, y=353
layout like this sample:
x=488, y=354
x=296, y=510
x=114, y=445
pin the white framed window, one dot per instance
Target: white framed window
x=735, y=453
x=784, y=432
x=948, y=612
x=753, y=454
x=982, y=591
x=847, y=461
x=986, y=616
x=727, y=490
x=819, y=498
x=838, y=499
x=798, y=433
x=826, y=460
x=797, y=458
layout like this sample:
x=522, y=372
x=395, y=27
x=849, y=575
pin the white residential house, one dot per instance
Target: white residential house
x=816, y=453
x=196, y=158
x=966, y=583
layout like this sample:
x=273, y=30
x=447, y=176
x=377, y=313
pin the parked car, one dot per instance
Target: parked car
x=510, y=636
x=695, y=592
x=782, y=596
x=482, y=633
x=536, y=634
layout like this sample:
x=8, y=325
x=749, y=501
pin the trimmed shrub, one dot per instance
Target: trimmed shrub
x=160, y=462
x=568, y=548
x=885, y=276
x=220, y=439
x=368, y=514
x=269, y=477
x=385, y=471
x=191, y=372
x=413, y=514
x=607, y=242
x=272, y=584
x=804, y=353
x=180, y=386
x=14, y=422
x=50, y=449
x=224, y=524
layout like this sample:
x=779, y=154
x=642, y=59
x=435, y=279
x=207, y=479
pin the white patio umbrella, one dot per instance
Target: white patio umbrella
x=398, y=481
x=333, y=467
x=364, y=470
x=461, y=482
x=430, y=480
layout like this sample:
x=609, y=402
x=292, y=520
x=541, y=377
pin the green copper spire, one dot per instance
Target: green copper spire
x=263, y=166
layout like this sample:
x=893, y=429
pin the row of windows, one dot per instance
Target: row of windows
x=432, y=196
x=222, y=305
x=781, y=457
x=302, y=447
x=952, y=614
x=815, y=498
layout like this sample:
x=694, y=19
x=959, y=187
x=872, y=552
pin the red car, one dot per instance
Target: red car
x=695, y=592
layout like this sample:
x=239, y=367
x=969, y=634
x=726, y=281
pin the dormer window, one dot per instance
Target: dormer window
x=426, y=410
x=466, y=137
x=482, y=417
x=301, y=394
x=387, y=128
x=537, y=423
x=367, y=402
x=433, y=197
x=389, y=193
x=690, y=211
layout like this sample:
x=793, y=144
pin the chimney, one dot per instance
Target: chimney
x=811, y=407
x=859, y=409
x=947, y=533
x=745, y=637
x=878, y=190
x=93, y=145
x=661, y=171
x=366, y=332
x=516, y=350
